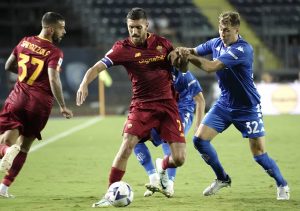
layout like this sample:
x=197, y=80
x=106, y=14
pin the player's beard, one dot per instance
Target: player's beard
x=138, y=40
x=56, y=39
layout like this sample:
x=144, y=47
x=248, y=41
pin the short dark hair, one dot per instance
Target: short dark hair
x=136, y=14
x=230, y=18
x=50, y=18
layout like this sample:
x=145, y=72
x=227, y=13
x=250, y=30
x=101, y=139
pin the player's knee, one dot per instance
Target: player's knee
x=5, y=140
x=198, y=144
x=179, y=160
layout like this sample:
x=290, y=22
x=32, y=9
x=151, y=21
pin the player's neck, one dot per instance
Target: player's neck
x=231, y=42
x=43, y=36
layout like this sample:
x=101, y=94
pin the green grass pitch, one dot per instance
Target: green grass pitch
x=71, y=172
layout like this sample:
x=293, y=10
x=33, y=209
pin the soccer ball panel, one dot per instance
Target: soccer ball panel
x=120, y=194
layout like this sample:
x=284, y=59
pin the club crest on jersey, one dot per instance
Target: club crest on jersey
x=159, y=48
x=138, y=54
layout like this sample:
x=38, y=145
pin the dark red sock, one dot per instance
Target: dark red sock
x=166, y=164
x=15, y=168
x=115, y=175
x=3, y=148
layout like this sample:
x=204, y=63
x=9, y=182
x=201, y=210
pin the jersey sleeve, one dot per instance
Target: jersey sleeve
x=205, y=48
x=55, y=60
x=168, y=46
x=16, y=49
x=113, y=57
x=236, y=55
x=192, y=84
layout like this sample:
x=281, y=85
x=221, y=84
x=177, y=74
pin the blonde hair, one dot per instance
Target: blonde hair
x=230, y=18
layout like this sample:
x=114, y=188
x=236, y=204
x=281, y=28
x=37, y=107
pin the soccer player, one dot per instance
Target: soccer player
x=153, y=104
x=190, y=100
x=37, y=61
x=239, y=103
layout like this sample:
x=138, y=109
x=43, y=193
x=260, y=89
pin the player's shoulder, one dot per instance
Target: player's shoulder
x=243, y=45
x=158, y=37
x=121, y=44
x=161, y=40
x=214, y=42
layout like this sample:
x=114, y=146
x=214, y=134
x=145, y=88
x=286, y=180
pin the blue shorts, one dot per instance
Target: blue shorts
x=187, y=121
x=248, y=121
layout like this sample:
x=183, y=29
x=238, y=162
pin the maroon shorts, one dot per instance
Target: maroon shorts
x=162, y=115
x=29, y=124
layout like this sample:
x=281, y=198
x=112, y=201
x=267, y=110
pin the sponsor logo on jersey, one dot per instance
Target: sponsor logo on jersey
x=138, y=54
x=240, y=48
x=59, y=63
x=153, y=59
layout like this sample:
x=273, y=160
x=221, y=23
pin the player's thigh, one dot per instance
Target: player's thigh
x=205, y=132
x=215, y=121
x=128, y=143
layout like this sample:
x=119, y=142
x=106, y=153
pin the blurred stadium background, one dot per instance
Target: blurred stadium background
x=271, y=26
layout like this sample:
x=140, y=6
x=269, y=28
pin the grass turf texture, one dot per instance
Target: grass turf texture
x=72, y=173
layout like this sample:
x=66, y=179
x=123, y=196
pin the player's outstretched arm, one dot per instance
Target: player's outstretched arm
x=205, y=64
x=200, y=109
x=89, y=76
x=11, y=64
x=56, y=89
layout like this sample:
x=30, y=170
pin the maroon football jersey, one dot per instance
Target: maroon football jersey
x=35, y=55
x=147, y=67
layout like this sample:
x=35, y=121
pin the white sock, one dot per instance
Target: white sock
x=3, y=188
x=154, y=178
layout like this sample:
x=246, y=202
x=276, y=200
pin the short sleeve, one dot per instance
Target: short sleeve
x=56, y=59
x=112, y=57
x=205, y=48
x=168, y=46
x=236, y=55
x=192, y=83
x=16, y=49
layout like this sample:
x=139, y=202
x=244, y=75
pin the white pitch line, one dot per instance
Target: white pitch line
x=64, y=134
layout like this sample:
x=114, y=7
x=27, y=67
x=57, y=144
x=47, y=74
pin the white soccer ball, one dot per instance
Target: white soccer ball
x=119, y=194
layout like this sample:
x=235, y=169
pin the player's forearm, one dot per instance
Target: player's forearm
x=57, y=92
x=204, y=64
x=90, y=75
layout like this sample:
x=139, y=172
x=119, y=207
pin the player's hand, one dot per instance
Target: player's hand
x=67, y=113
x=183, y=52
x=82, y=93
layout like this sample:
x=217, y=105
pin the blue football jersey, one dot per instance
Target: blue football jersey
x=187, y=87
x=236, y=79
